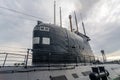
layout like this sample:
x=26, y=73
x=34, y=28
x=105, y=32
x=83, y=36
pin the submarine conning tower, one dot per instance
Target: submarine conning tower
x=53, y=44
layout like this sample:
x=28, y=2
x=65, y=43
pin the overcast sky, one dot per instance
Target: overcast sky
x=101, y=19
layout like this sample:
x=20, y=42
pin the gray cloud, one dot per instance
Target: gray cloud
x=101, y=18
x=103, y=26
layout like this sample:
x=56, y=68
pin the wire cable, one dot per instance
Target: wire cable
x=15, y=11
x=21, y=17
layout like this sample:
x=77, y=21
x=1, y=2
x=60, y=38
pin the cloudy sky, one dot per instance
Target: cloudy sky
x=101, y=19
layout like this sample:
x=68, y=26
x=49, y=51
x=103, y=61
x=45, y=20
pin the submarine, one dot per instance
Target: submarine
x=58, y=54
x=53, y=44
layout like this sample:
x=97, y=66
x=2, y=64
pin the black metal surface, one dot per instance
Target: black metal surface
x=65, y=46
x=99, y=73
x=62, y=77
x=75, y=75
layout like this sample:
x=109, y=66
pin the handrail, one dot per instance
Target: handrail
x=5, y=59
x=26, y=59
x=14, y=54
x=13, y=58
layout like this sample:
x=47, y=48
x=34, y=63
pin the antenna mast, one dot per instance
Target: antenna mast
x=103, y=55
x=70, y=22
x=76, y=21
x=83, y=25
x=54, y=12
x=60, y=18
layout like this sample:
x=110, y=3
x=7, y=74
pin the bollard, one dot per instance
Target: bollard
x=99, y=73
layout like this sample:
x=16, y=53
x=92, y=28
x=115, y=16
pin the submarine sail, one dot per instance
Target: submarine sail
x=54, y=44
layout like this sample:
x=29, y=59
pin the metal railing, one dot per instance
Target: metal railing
x=15, y=59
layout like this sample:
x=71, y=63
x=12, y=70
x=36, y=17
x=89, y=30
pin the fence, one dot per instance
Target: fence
x=15, y=59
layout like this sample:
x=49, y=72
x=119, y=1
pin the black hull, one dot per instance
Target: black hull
x=54, y=44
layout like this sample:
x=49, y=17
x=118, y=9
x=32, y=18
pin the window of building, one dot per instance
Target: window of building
x=45, y=40
x=36, y=40
x=46, y=29
x=42, y=28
